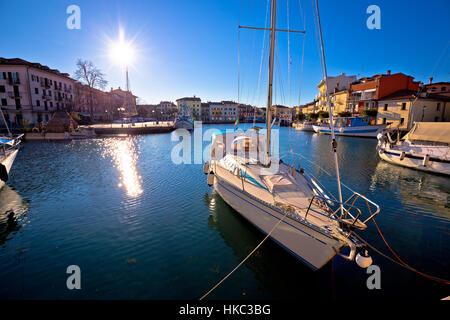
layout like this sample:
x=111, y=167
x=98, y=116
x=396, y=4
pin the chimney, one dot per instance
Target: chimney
x=431, y=80
x=389, y=72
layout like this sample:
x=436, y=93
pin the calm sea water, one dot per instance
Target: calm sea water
x=141, y=227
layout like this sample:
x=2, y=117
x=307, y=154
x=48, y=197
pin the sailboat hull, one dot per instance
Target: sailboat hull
x=313, y=248
x=7, y=163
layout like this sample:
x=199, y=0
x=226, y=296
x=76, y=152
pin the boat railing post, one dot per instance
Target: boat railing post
x=309, y=207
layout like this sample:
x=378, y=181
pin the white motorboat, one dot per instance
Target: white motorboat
x=304, y=126
x=425, y=147
x=352, y=126
x=283, y=201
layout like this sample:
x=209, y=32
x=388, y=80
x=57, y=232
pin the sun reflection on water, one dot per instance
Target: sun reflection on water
x=124, y=154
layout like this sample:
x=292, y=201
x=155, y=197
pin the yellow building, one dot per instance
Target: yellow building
x=339, y=101
x=403, y=108
x=336, y=84
x=194, y=104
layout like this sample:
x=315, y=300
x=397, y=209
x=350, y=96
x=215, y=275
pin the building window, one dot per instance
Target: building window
x=385, y=107
x=2, y=88
x=4, y=102
x=384, y=120
x=436, y=119
x=443, y=88
x=36, y=90
x=38, y=103
x=404, y=106
x=402, y=121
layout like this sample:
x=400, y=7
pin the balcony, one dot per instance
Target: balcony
x=46, y=97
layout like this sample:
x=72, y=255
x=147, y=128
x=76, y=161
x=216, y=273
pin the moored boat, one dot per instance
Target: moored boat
x=425, y=147
x=304, y=126
x=285, y=202
x=184, y=119
x=352, y=126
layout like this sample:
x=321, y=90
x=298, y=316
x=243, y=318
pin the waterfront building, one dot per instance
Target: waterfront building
x=167, y=110
x=442, y=88
x=402, y=108
x=194, y=105
x=282, y=113
x=339, y=83
x=225, y=111
x=30, y=92
x=339, y=100
x=368, y=90
x=205, y=111
x=310, y=107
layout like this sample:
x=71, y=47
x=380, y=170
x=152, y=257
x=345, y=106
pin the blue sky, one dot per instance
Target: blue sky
x=191, y=47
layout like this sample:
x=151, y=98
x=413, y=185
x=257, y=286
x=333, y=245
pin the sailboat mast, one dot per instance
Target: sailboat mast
x=271, y=58
x=330, y=111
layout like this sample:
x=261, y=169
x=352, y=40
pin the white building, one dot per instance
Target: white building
x=31, y=93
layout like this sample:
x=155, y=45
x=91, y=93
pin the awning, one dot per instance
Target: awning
x=430, y=131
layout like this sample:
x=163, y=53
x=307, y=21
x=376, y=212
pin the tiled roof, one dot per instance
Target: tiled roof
x=18, y=61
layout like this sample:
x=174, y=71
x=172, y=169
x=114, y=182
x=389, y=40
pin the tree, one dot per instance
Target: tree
x=344, y=114
x=323, y=114
x=300, y=117
x=369, y=112
x=91, y=76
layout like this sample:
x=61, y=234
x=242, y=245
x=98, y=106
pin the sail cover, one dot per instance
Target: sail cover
x=430, y=131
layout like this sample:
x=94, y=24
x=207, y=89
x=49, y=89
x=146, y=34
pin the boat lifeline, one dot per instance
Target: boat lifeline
x=425, y=147
x=352, y=126
x=281, y=200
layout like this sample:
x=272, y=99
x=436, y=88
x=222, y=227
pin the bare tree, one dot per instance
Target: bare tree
x=91, y=76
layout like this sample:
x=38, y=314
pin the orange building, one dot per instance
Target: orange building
x=367, y=91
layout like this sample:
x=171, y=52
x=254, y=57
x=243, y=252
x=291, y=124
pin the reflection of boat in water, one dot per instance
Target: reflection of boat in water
x=352, y=126
x=241, y=237
x=415, y=188
x=12, y=210
x=426, y=147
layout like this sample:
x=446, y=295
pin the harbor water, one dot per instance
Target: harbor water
x=140, y=226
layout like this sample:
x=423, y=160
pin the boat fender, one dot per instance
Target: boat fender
x=210, y=179
x=3, y=173
x=363, y=260
x=206, y=167
x=426, y=160
x=402, y=156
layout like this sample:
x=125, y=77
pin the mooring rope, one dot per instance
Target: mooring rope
x=248, y=256
x=400, y=262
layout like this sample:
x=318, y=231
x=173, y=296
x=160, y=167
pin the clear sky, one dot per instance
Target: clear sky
x=190, y=47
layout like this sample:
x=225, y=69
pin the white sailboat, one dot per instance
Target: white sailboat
x=267, y=191
x=9, y=148
x=426, y=147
